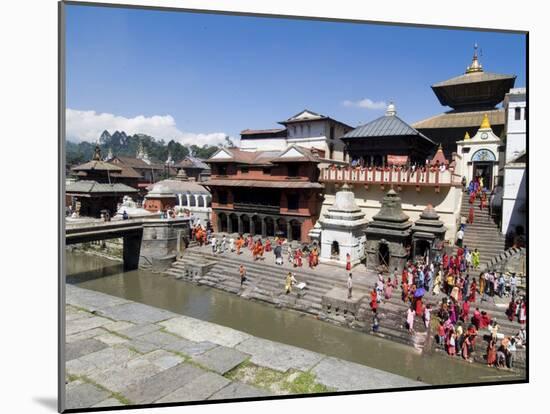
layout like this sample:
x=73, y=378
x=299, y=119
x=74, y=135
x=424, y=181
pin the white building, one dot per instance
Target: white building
x=514, y=194
x=306, y=129
x=479, y=155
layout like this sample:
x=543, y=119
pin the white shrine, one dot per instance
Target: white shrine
x=341, y=230
x=478, y=155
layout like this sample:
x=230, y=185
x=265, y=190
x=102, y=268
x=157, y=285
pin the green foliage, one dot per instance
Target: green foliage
x=127, y=145
x=305, y=384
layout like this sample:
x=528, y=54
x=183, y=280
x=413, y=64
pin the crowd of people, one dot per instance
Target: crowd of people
x=458, y=317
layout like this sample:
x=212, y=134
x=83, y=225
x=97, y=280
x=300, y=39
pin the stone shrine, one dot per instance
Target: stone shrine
x=388, y=236
x=343, y=230
x=428, y=234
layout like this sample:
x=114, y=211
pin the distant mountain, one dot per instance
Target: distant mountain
x=123, y=144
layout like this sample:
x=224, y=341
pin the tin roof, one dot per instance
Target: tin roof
x=473, y=77
x=461, y=119
x=97, y=166
x=385, y=126
x=88, y=186
x=192, y=162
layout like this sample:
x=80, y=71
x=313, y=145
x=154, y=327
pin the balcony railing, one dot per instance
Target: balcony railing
x=253, y=207
x=391, y=176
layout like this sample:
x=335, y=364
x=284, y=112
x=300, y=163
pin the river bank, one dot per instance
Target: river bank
x=121, y=352
x=279, y=325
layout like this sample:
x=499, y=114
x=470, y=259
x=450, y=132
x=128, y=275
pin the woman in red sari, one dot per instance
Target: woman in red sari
x=298, y=258
x=491, y=353
x=310, y=259
x=471, y=216
x=405, y=291
x=473, y=288
x=373, y=300
x=419, y=307
x=445, y=261
x=465, y=314
x=472, y=198
x=483, y=202
x=268, y=245
x=348, y=262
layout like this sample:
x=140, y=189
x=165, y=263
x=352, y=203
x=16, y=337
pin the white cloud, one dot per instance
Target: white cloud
x=365, y=103
x=88, y=126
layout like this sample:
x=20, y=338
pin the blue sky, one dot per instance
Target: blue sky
x=196, y=77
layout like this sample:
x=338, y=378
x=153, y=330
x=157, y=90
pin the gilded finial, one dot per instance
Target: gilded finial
x=440, y=147
x=97, y=154
x=466, y=136
x=485, y=124
x=475, y=66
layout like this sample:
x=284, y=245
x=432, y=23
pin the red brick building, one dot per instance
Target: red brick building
x=265, y=192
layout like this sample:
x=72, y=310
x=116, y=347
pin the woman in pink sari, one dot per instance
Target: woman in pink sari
x=388, y=289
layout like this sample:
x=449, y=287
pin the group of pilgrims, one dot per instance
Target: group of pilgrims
x=257, y=247
x=457, y=317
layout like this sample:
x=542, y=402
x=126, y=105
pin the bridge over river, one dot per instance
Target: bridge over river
x=147, y=242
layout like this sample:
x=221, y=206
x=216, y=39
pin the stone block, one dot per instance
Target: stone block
x=279, y=356
x=348, y=376
x=84, y=324
x=221, y=359
x=239, y=390
x=198, y=389
x=84, y=396
x=154, y=388
x=158, y=338
x=78, y=349
x=139, y=330
x=190, y=348
x=137, y=313
x=199, y=331
x=89, y=299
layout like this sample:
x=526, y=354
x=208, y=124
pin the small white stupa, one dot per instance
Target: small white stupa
x=342, y=230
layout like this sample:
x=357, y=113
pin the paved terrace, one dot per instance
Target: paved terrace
x=121, y=352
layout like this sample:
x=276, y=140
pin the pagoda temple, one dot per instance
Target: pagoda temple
x=100, y=189
x=470, y=96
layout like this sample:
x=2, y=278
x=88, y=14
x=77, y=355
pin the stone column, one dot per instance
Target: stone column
x=187, y=197
x=252, y=226
x=196, y=199
x=264, y=228
x=204, y=197
x=289, y=231
x=239, y=224
x=229, y=225
x=180, y=200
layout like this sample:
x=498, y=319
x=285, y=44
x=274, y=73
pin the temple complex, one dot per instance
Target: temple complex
x=388, y=153
x=194, y=168
x=470, y=96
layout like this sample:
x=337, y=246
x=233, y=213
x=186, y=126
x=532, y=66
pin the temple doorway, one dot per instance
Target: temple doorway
x=384, y=254
x=335, y=250
x=422, y=248
x=281, y=228
x=484, y=169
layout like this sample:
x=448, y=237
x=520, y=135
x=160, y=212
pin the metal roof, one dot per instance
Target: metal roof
x=473, y=78
x=88, y=186
x=385, y=126
x=461, y=119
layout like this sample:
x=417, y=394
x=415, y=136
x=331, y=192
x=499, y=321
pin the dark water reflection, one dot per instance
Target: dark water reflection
x=104, y=275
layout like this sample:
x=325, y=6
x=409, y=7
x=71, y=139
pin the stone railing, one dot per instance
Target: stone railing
x=420, y=177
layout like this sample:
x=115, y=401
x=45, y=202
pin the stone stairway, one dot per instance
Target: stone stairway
x=266, y=284
x=484, y=234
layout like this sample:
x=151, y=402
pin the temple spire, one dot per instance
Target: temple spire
x=475, y=66
x=390, y=111
x=97, y=154
x=485, y=124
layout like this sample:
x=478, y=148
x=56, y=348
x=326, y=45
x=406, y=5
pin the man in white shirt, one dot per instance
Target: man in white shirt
x=350, y=286
x=459, y=237
x=213, y=242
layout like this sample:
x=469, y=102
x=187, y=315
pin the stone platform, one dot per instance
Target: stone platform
x=336, y=301
x=120, y=352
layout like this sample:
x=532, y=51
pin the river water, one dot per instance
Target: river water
x=289, y=327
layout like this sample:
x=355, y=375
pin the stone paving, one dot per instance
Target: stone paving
x=120, y=352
